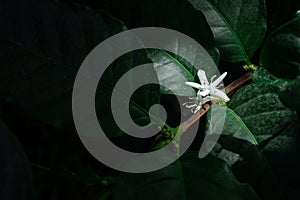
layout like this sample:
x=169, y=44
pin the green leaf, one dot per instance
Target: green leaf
x=171, y=14
x=275, y=126
x=260, y=107
x=173, y=71
x=281, y=51
x=224, y=121
x=238, y=26
x=281, y=11
x=290, y=95
x=263, y=75
x=187, y=178
x=233, y=125
x=15, y=171
x=35, y=85
x=40, y=86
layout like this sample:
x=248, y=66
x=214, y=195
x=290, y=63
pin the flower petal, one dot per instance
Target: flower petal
x=194, y=85
x=207, y=99
x=219, y=80
x=202, y=77
x=204, y=92
x=220, y=94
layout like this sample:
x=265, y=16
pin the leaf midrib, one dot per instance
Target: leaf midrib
x=236, y=37
x=243, y=125
x=140, y=108
x=179, y=63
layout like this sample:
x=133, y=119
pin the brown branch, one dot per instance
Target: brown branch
x=238, y=82
x=190, y=121
x=230, y=88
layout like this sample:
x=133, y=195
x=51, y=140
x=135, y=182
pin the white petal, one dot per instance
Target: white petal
x=213, y=78
x=220, y=94
x=204, y=92
x=219, y=80
x=194, y=85
x=207, y=99
x=202, y=77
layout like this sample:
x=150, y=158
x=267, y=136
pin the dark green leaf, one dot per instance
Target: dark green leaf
x=36, y=85
x=16, y=178
x=263, y=75
x=41, y=87
x=281, y=51
x=172, y=14
x=290, y=95
x=224, y=121
x=260, y=107
x=173, y=71
x=190, y=178
x=253, y=168
x=281, y=11
x=275, y=126
x=238, y=26
x=233, y=125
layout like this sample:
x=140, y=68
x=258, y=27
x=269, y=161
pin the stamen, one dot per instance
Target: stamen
x=212, y=78
x=197, y=109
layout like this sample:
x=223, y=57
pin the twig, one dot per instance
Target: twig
x=238, y=82
x=187, y=124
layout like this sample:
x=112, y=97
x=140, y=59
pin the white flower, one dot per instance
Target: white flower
x=211, y=88
x=197, y=102
x=206, y=91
